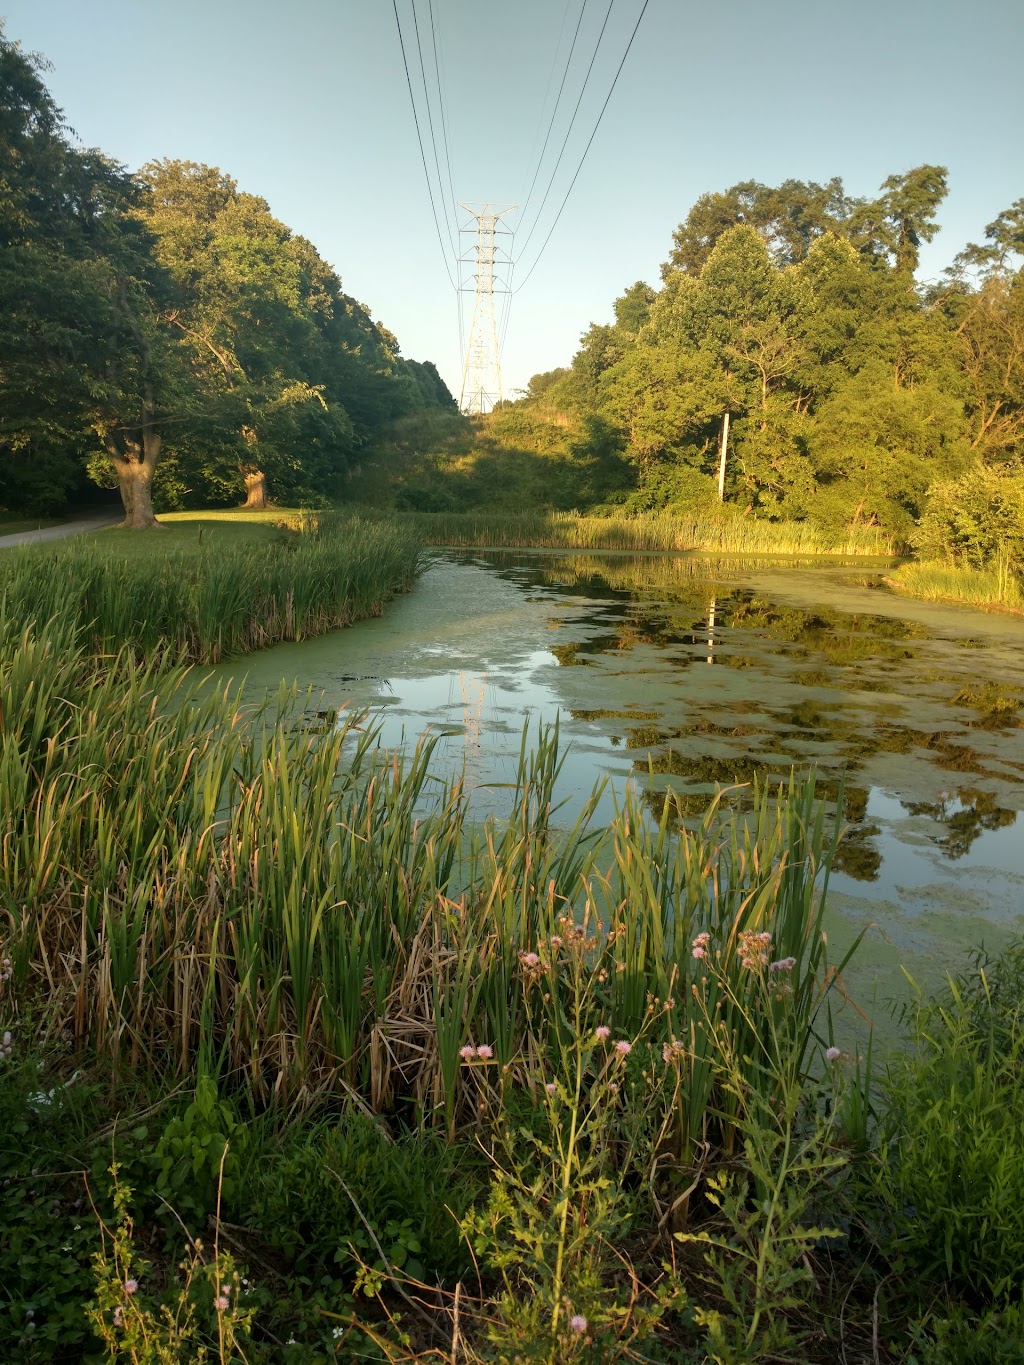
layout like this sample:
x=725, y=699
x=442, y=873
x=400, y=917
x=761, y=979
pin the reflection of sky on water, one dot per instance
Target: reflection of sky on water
x=916, y=703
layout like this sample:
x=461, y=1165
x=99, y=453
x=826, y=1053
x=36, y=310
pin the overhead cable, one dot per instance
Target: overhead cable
x=430, y=126
x=572, y=121
x=419, y=139
x=558, y=97
x=586, y=149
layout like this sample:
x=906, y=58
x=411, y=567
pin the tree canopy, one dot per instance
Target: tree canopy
x=164, y=333
x=852, y=395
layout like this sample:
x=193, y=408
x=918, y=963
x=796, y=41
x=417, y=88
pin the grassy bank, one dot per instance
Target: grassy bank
x=235, y=921
x=210, y=587
x=727, y=534
x=375, y=1085
x=992, y=589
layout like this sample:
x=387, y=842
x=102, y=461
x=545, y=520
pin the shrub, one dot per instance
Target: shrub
x=949, y=1173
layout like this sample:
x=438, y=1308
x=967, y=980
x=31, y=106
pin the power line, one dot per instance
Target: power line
x=586, y=149
x=435, y=26
x=558, y=97
x=430, y=125
x=572, y=121
x=419, y=139
x=441, y=86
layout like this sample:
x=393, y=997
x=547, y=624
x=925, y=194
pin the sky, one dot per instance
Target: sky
x=306, y=104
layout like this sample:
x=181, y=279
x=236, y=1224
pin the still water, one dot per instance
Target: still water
x=690, y=671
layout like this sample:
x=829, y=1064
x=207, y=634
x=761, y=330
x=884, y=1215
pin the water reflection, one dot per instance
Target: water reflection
x=914, y=710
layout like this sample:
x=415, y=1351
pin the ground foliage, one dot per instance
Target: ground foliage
x=549, y=1093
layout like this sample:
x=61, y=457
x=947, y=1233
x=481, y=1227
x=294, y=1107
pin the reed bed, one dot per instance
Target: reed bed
x=213, y=598
x=996, y=586
x=726, y=532
x=190, y=887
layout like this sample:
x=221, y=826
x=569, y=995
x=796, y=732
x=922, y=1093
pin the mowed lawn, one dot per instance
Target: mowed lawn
x=194, y=530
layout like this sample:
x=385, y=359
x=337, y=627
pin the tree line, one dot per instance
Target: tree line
x=163, y=333
x=789, y=341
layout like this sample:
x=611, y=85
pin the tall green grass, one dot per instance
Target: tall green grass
x=958, y=583
x=725, y=532
x=208, y=599
x=187, y=885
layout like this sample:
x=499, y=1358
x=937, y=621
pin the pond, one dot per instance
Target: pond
x=690, y=671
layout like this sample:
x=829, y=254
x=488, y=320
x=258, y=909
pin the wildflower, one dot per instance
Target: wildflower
x=118, y=1316
x=833, y=1054
x=623, y=1048
x=602, y=1032
x=467, y=1053
x=484, y=1052
x=338, y=1331
x=130, y=1286
x=785, y=964
x=697, y=951
x=578, y=1323
x=551, y=1088
x=754, y=949
x=529, y=960
x=225, y=1289
x=221, y=1303
x=556, y=940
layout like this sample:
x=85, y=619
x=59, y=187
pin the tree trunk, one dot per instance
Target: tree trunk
x=255, y=489
x=135, y=480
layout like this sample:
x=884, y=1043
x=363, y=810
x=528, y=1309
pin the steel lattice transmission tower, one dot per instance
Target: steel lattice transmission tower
x=481, y=375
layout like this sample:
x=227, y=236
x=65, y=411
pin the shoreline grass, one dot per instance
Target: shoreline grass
x=197, y=595
x=959, y=585
x=718, y=533
x=267, y=975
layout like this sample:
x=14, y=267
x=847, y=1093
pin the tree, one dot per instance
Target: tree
x=893, y=226
x=789, y=217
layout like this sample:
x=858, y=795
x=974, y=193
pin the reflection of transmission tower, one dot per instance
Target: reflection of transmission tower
x=481, y=377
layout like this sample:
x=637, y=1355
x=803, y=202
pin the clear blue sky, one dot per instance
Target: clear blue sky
x=305, y=102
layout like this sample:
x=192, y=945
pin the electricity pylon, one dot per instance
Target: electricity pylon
x=481, y=375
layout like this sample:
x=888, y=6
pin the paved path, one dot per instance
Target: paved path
x=67, y=528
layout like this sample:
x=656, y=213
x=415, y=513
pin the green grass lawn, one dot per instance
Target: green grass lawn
x=188, y=530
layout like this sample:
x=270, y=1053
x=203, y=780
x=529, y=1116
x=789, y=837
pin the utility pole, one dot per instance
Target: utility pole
x=481, y=375
x=722, y=457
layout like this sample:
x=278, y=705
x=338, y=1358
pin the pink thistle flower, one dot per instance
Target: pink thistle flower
x=785, y=964
x=130, y=1286
x=602, y=1032
x=833, y=1054
x=467, y=1053
x=118, y=1316
x=529, y=959
x=484, y=1052
x=551, y=1088
x=623, y=1048
x=578, y=1323
x=221, y=1303
x=556, y=940
x=697, y=951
